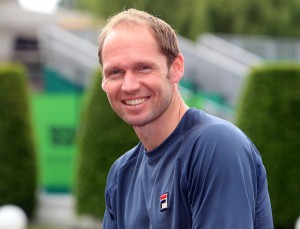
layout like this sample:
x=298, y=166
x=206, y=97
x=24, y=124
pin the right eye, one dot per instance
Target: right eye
x=113, y=74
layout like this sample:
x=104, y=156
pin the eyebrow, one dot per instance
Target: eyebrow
x=134, y=65
x=109, y=69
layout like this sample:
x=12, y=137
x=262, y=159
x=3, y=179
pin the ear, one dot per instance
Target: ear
x=177, y=68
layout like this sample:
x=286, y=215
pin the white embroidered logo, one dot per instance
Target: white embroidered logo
x=163, y=202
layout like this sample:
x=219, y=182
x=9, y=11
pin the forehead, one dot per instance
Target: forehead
x=126, y=32
x=127, y=41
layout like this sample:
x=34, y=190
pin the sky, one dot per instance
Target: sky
x=41, y=6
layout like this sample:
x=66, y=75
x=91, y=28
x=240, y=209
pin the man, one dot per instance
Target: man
x=190, y=169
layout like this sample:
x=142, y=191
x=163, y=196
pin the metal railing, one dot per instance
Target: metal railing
x=269, y=48
x=217, y=66
x=74, y=57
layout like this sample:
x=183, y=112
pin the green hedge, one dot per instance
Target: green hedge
x=18, y=175
x=269, y=113
x=103, y=137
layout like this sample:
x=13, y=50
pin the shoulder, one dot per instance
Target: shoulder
x=211, y=143
x=209, y=131
x=121, y=163
x=223, y=133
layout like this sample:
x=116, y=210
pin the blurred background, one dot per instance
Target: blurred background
x=56, y=42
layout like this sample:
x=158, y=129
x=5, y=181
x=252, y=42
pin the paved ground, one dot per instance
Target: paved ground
x=56, y=211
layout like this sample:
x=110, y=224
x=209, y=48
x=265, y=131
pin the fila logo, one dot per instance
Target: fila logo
x=163, y=202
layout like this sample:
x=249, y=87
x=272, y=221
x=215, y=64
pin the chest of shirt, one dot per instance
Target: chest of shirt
x=153, y=195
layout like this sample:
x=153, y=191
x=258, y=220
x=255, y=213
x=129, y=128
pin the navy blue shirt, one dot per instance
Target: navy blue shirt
x=206, y=174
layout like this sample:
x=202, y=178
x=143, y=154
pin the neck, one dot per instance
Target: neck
x=154, y=133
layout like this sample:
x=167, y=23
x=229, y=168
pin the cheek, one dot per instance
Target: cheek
x=110, y=100
x=106, y=86
x=111, y=92
x=103, y=84
x=108, y=95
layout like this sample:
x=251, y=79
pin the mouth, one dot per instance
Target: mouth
x=134, y=102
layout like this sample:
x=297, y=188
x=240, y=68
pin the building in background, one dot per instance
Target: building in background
x=19, y=30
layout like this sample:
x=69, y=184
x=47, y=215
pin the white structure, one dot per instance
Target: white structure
x=12, y=217
x=19, y=30
x=297, y=225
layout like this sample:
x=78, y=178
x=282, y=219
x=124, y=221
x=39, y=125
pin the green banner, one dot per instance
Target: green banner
x=55, y=120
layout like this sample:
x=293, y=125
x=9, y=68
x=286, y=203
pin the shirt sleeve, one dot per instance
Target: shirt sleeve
x=263, y=211
x=222, y=181
x=108, y=222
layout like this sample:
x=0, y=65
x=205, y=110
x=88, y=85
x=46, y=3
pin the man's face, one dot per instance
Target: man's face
x=136, y=77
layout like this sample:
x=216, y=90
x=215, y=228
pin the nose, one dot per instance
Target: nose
x=130, y=82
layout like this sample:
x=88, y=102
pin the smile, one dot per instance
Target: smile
x=135, y=101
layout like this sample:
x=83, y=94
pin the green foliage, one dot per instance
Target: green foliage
x=103, y=138
x=268, y=17
x=192, y=17
x=269, y=114
x=184, y=16
x=17, y=152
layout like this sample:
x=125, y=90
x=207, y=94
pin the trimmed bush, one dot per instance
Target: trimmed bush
x=269, y=113
x=103, y=137
x=18, y=175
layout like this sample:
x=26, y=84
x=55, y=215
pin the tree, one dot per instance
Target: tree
x=269, y=17
x=183, y=16
x=190, y=18
x=269, y=112
x=18, y=166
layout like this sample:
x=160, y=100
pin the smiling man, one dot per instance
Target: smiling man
x=190, y=169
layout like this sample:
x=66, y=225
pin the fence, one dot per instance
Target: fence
x=269, y=48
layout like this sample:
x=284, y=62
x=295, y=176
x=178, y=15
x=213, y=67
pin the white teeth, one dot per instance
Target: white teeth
x=135, y=101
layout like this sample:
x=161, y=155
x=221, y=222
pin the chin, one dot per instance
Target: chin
x=140, y=120
x=136, y=122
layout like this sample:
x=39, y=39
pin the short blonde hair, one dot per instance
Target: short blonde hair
x=162, y=31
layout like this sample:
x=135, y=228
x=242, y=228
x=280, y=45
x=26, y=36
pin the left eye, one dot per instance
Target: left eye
x=145, y=69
